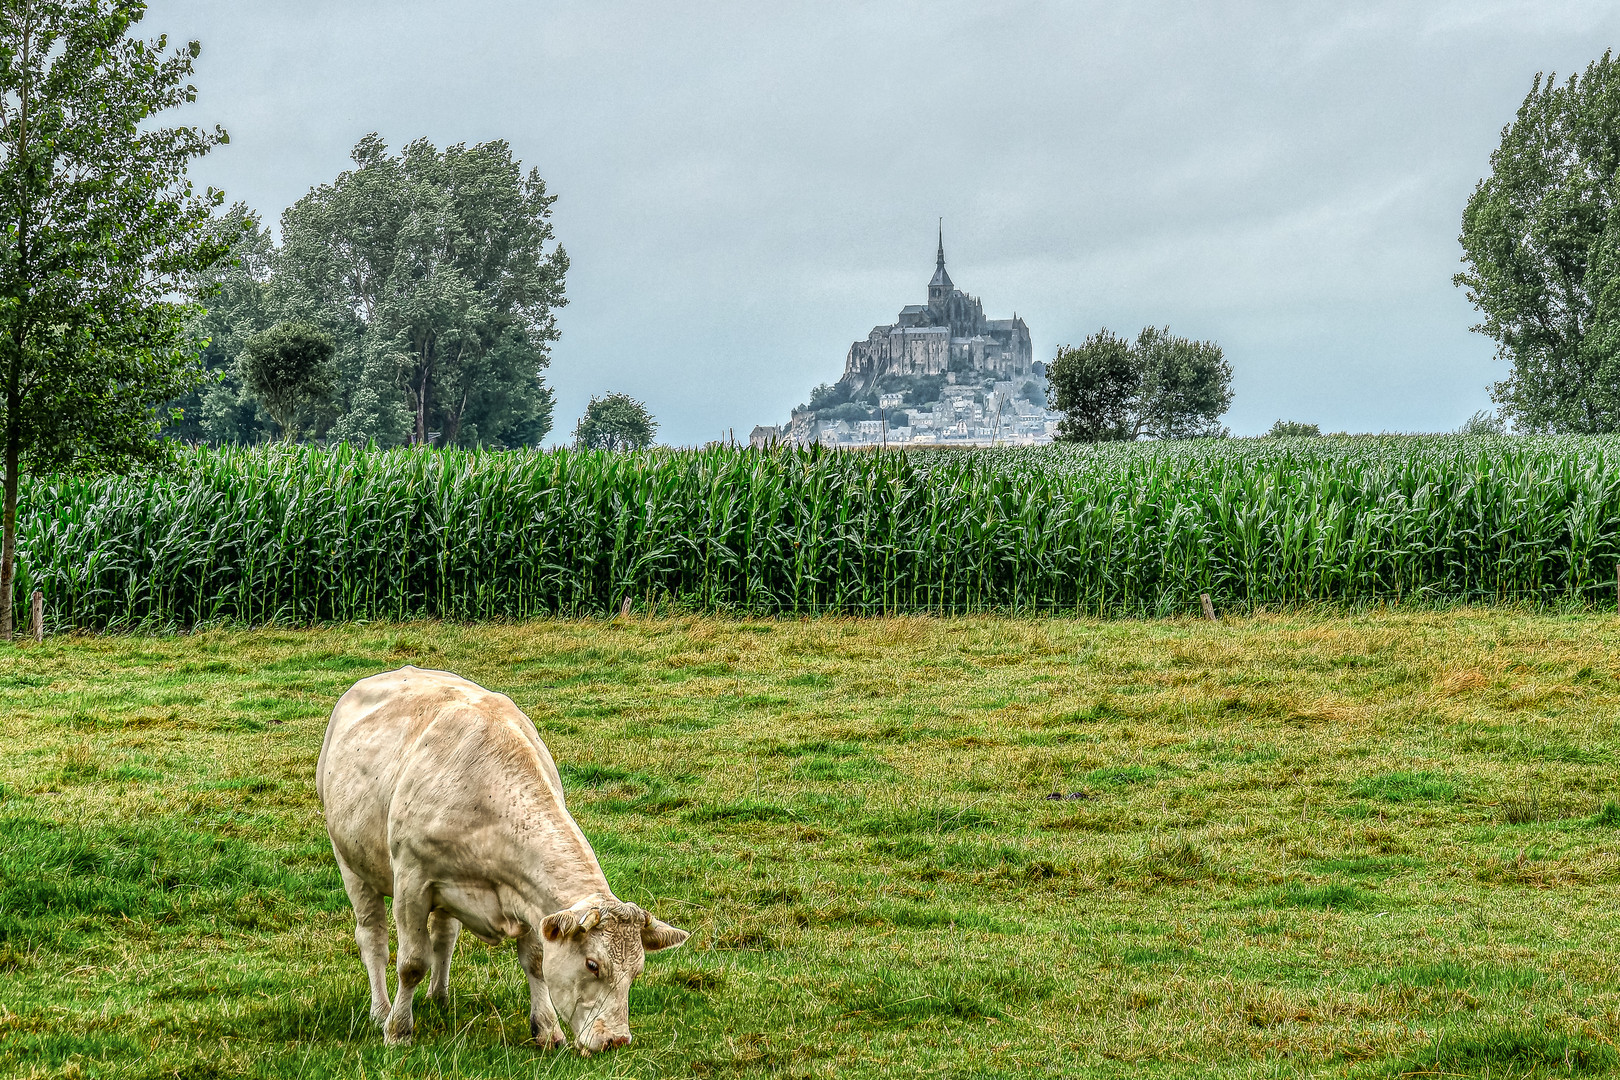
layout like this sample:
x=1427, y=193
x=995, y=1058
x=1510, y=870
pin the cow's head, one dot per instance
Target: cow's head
x=593, y=951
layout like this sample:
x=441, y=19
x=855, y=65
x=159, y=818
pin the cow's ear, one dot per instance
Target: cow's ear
x=559, y=924
x=658, y=935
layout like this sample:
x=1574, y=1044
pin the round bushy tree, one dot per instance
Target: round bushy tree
x=289, y=369
x=615, y=422
x=1094, y=385
x=1161, y=386
x=1293, y=429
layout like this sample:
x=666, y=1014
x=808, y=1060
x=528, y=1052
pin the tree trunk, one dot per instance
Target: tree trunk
x=8, y=545
x=421, y=401
x=8, y=514
x=454, y=433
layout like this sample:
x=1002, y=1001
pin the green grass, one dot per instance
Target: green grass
x=1512, y=1051
x=1406, y=787
x=1290, y=845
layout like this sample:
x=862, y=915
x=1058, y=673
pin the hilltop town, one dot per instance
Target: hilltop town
x=941, y=373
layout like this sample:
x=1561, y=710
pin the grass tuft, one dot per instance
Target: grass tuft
x=1455, y=975
x=1122, y=774
x=1337, y=896
x=594, y=776
x=1608, y=817
x=1509, y=1050
x=937, y=819
x=1400, y=787
x=742, y=812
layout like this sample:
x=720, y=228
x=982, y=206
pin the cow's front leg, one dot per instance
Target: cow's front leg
x=412, y=907
x=442, y=931
x=371, y=934
x=543, y=1025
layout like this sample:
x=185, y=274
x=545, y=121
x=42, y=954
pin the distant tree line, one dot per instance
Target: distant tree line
x=411, y=300
x=1293, y=429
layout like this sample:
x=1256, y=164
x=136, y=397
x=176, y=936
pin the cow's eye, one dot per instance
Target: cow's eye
x=594, y=966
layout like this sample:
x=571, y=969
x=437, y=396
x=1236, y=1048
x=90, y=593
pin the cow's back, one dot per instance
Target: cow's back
x=428, y=738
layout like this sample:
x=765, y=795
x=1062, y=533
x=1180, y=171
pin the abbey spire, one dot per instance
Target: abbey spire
x=947, y=336
x=939, y=289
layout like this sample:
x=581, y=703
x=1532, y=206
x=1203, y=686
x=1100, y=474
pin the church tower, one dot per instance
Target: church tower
x=939, y=289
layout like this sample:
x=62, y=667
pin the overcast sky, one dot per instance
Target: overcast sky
x=745, y=188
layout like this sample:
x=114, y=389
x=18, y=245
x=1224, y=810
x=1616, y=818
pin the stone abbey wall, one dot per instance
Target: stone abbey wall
x=949, y=333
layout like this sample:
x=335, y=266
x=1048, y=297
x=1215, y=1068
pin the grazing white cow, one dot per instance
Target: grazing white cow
x=440, y=794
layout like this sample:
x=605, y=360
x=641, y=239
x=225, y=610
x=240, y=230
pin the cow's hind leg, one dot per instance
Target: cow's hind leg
x=543, y=1025
x=371, y=934
x=442, y=931
x=413, y=903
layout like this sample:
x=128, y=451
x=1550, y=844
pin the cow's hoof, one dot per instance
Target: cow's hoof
x=398, y=1036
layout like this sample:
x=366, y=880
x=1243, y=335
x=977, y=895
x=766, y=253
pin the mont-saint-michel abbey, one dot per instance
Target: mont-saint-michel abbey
x=928, y=338
x=941, y=373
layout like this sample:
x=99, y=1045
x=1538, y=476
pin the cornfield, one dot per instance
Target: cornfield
x=306, y=534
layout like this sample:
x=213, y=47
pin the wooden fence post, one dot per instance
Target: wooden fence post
x=37, y=617
x=1209, y=607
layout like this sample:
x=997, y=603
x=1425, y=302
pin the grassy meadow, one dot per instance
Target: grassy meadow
x=1299, y=845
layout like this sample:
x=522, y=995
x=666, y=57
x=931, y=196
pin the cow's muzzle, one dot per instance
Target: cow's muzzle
x=599, y=1039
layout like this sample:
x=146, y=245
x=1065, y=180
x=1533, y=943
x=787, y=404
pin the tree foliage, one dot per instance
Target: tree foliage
x=828, y=396
x=1161, y=386
x=437, y=279
x=288, y=368
x=1096, y=386
x=849, y=412
x=431, y=270
x=1541, y=243
x=1293, y=429
x=232, y=307
x=615, y=422
x=1483, y=422
x=99, y=230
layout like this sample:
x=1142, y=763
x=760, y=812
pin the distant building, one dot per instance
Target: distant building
x=940, y=374
x=764, y=435
x=949, y=333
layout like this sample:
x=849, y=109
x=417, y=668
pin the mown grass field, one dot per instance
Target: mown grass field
x=1301, y=845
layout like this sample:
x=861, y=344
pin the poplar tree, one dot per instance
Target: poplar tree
x=1541, y=243
x=99, y=228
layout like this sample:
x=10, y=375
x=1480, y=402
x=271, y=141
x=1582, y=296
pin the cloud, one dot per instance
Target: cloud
x=746, y=188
